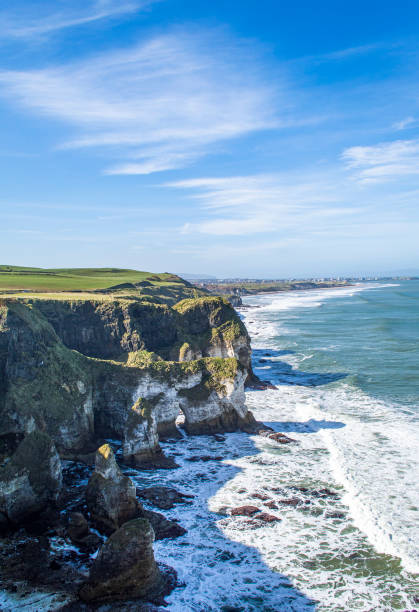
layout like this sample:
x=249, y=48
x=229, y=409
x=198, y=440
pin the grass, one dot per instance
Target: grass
x=78, y=279
x=63, y=296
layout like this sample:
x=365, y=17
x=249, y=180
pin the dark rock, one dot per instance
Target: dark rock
x=338, y=515
x=164, y=497
x=290, y=501
x=228, y=421
x=244, y=511
x=276, y=436
x=264, y=430
x=168, y=431
x=196, y=458
x=323, y=493
x=163, y=527
x=34, y=558
x=262, y=385
x=110, y=496
x=154, y=461
x=80, y=534
x=271, y=504
x=78, y=527
x=32, y=479
x=267, y=518
x=219, y=438
x=46, y=522
x=125, y=567
x=4, y=523
x=261, y=496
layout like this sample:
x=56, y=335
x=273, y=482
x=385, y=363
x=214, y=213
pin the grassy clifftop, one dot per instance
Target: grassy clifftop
x=79, y=279
x=80, y=283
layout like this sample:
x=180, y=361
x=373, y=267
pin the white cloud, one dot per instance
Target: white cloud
x=245, y=205
x=341, y=54
x=384, y=161
x=43, y=20
x=262, y=190
x=404, y=123
x=230, y=227
x=164, y=101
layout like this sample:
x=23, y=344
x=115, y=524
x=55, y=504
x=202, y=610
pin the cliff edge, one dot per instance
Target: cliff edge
x=81, y=370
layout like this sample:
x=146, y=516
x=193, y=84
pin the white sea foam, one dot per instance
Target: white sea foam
x=376, y=462
x=315, y=554
x=326, y=553
x=309, y=298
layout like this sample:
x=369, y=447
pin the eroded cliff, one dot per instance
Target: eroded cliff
x=88, y=369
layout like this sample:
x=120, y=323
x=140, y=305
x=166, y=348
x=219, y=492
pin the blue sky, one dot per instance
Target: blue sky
x=266, y=139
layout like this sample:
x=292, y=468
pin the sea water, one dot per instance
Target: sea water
x=346, y=365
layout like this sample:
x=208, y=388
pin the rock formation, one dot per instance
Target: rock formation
x=125, y=567
x=31, y=479
x=110, y=496
x=75, y=372
x=76, y=398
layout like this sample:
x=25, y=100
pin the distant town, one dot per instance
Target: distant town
x=326, y=279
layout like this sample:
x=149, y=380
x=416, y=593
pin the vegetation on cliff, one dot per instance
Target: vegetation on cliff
x=47, y=381
x=160, y=288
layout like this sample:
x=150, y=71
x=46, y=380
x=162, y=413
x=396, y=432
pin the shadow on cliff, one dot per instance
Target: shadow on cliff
x=266, y=365
x=220, y=572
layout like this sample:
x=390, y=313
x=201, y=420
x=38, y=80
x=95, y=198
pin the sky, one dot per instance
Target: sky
x=270, y=139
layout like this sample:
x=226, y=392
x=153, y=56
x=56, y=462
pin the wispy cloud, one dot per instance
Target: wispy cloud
x=46, y=17
x=343, y=54
x=404, y=123
x=158, y=105
x=245, y=205
x=384, y=161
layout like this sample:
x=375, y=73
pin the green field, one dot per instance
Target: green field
x=13, y=278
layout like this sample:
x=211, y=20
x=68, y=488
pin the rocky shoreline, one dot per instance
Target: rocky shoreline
x=92, y=543
x=80, y=381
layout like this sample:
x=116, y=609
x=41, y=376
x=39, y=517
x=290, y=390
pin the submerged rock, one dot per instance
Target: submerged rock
x=261, y=496
x=244, y=511
x=163, y=527
x=290, y=501
x=31, y=480
x=267, y=518
x=110, y=496
x=164, y=497
x=125, y=567
x=276, y=436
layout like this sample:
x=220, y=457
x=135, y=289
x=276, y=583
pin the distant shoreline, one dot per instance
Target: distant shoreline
x=234, y=292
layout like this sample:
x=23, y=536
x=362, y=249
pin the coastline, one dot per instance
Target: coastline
x=226, y=560
x=366, y=419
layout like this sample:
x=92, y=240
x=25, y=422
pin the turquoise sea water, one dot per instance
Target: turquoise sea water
x=370, y=335
x=346, y=365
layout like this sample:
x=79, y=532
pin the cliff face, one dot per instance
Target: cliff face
x=46, y=386
x=59, y=372
x=111, y=329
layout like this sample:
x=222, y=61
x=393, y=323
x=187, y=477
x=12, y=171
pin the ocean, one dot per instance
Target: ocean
x=345, y=362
